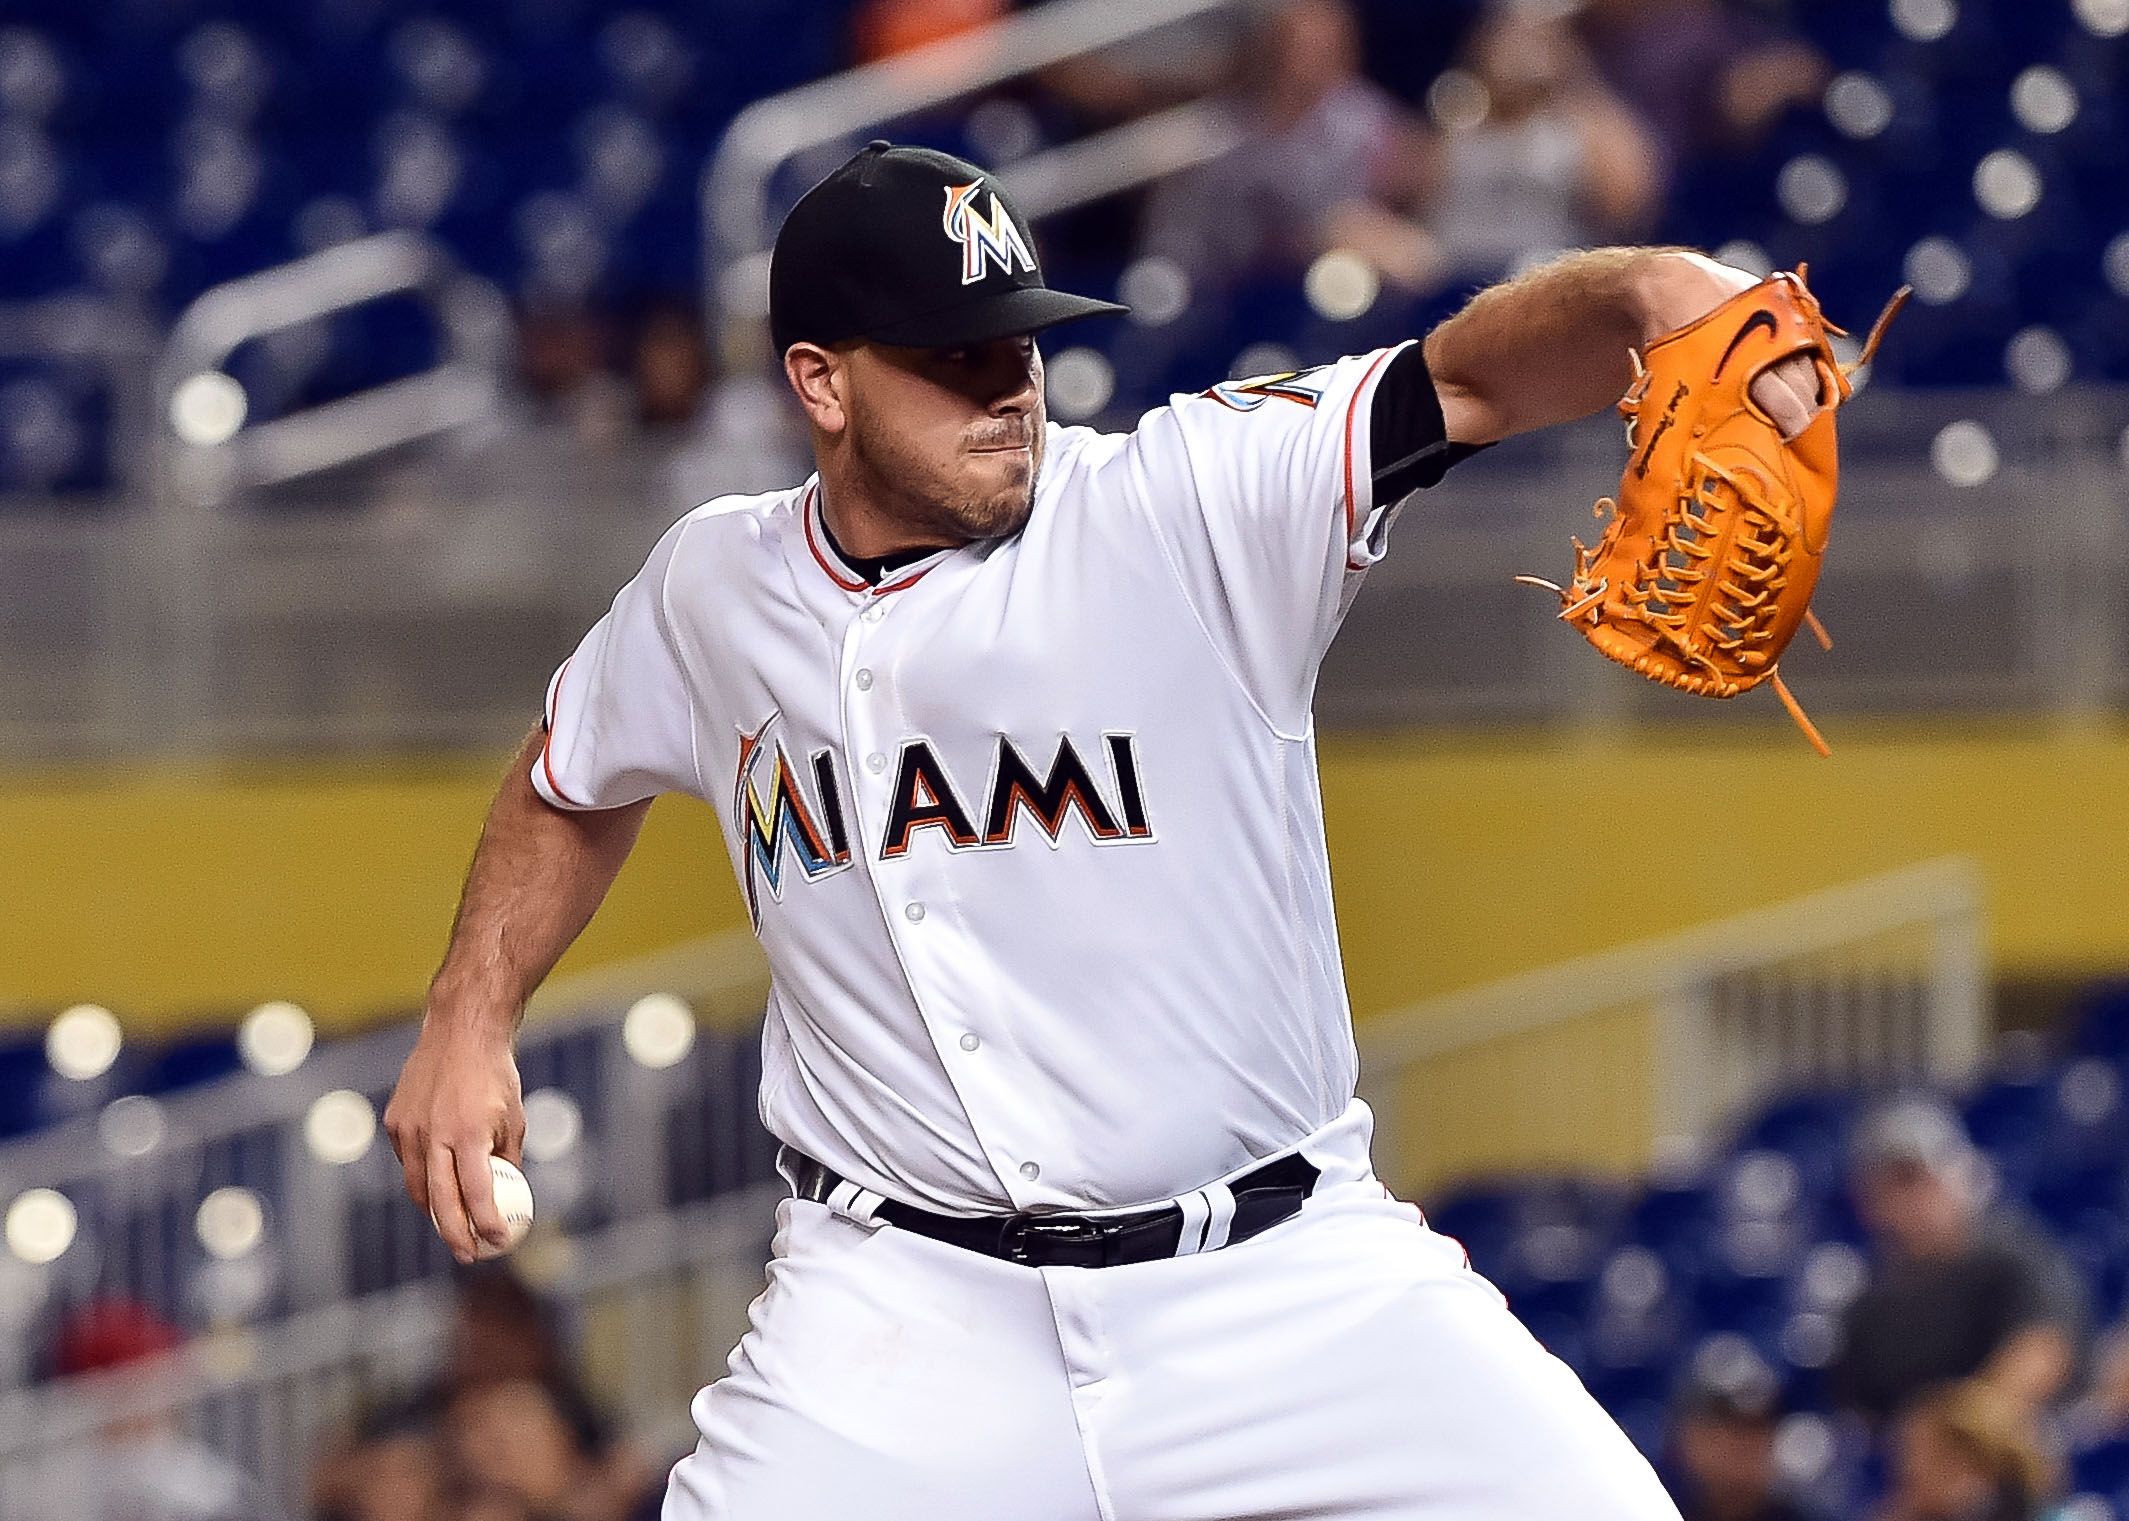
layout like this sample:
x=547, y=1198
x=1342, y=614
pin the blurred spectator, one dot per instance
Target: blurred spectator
x=2101, y=1413
x=139, y=1466
x=743, y=438
x=504, y=1431
x=1184, y=61
x=1969, y=1452
x=390, y=1474
x=510, y=1447
x=1960, y=1286
x=670, y=366
x=1325, y=159
x=1535, y=155
x=564, y=359
x=883, y=28
x=1720, y=1449
x=1705, y=79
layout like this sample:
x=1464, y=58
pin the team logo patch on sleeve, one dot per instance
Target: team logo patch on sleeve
x=984, y=239
x=1302, y=387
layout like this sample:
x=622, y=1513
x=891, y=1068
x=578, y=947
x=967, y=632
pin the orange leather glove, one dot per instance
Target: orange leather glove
x=1706, y=569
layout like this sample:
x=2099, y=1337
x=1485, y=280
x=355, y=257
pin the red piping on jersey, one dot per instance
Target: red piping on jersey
x=546, y=740
x=1352, y=412
x=813, y=543
x=821, y=559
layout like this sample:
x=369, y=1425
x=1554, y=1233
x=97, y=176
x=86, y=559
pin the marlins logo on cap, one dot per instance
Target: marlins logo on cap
x=984, y=238
x=859, y=258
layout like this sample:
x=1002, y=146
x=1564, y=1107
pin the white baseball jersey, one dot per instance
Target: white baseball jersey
x=1030, y=830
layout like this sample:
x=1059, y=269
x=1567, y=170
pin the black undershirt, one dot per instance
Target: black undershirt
x=877, y=569
x=1408, y=439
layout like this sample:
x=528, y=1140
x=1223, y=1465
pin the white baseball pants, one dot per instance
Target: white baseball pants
x=1344, y=1364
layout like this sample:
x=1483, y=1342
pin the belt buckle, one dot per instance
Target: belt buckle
x=1062, y=1229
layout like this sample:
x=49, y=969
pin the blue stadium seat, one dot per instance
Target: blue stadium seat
x=183, y=1063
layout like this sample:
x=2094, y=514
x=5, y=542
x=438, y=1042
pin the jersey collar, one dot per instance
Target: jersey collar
x=840, y=571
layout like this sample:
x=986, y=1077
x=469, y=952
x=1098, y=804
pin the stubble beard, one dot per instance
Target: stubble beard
x=951, y=507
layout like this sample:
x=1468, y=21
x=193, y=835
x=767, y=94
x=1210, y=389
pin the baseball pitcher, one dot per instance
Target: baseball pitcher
x=1008, y=727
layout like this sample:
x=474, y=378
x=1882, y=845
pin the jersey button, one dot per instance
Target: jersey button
x=914, y=913
x=864, y=680
x=1030, y=1171
x=876, y=612
x=970, y=1041
x=875, y=763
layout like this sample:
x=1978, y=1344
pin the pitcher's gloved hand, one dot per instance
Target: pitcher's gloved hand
x=1706, y=568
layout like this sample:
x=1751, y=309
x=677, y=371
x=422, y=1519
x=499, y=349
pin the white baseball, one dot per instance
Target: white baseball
x=513, y=1198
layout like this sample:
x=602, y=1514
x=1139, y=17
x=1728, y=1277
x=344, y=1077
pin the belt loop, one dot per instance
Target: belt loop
x=1222, y=1216
x=846, y=1198
x=1197, y=1209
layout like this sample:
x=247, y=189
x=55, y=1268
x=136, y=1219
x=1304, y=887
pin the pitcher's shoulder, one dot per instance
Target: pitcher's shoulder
x=727, y=519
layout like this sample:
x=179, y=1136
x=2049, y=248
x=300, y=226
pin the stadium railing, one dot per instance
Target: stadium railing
x=632, y=1114
x=211, y=451
x=1619, y=1059
x=271, y=1399
x=739, y=212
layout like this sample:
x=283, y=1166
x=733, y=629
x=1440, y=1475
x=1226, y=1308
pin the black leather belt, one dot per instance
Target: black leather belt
x=1262, y=1199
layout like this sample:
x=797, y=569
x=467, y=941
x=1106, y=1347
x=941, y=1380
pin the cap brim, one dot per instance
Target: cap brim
x=1009, y=314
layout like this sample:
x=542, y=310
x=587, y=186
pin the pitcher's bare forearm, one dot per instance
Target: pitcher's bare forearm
x=538, y=876
x=1545, y=346
x=1550, y=345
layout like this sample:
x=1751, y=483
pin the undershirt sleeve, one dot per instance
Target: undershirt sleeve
x=1409, y=447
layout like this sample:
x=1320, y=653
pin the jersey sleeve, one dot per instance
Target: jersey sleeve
x=619, y=717
x=1263, y=494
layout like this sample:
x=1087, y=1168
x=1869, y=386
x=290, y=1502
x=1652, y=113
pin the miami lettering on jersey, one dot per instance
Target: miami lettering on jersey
x=984, y=239
x=925, y=798
x=1300, y=386
x=777, y=818
x=784, y=817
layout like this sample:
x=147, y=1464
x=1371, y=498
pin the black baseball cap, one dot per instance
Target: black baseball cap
x=910, y=247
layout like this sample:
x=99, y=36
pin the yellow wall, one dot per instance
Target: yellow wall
x=1457, y=859
x=170, y=897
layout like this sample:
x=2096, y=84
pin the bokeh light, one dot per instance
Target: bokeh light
x=2006, y=184
x=2102, y=18
x=132, y=1126
x=340, y=1127
x=1924, y=20
x=1081, y=382
x=554, y=1125
x=275, y=1038
x=1939, y=271
x=2037, y=360
x=1342, y=285
x=83, y=1042
x=230, y=1223
x=1964, y=453
x=40, y=1225
x=1858, y=105
x=1156, y=289
x=2043, y=99
x=658, y=1030
x=1812, y=189
x=208, y=409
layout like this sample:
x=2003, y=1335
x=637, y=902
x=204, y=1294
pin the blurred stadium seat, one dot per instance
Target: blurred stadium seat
x=149, y=151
